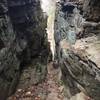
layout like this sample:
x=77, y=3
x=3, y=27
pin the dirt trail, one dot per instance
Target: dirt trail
x=56, y=90
x=47, y=90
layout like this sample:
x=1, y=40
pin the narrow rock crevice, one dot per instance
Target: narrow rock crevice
x=49, y=49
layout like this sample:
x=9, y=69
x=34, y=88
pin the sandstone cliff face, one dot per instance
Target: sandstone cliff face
x=23, y=38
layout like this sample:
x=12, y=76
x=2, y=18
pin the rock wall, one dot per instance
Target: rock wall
x=91, y=10
x=68, y=23
x=79, y=72
x=23, y=38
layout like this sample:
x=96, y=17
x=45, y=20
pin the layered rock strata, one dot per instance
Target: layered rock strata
x=79, y=72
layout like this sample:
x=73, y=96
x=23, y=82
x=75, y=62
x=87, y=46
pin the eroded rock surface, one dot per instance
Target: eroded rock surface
x=91, y=10
x=80, y=68
x=23, y=38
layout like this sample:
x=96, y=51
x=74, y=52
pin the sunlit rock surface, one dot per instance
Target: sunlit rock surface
x=49, y=6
